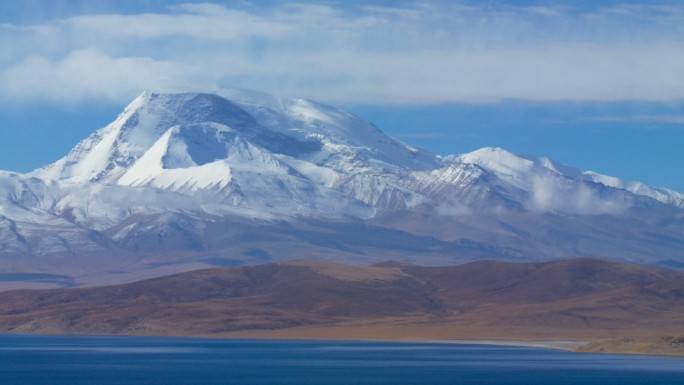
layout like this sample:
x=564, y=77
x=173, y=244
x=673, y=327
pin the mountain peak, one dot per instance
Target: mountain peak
x=105, y=154
x=498, y=160
x=291, y=127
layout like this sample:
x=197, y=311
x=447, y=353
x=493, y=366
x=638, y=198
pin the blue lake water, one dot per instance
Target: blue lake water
x=97, y=360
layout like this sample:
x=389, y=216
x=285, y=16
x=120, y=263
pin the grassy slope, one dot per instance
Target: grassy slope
x=578, y=299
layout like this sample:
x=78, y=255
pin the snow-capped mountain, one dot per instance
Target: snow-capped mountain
x=179, y=181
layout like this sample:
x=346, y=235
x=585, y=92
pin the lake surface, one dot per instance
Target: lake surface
x=97, y=360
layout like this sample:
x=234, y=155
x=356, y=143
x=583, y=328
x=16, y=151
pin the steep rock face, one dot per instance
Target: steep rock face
x=188, y=179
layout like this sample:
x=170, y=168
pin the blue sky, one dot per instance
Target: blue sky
x=595, y=86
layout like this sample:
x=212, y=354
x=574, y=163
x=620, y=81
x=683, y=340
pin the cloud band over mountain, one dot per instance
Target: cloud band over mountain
x=408, y=53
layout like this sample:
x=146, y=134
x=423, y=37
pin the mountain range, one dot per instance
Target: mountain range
x=183, y=181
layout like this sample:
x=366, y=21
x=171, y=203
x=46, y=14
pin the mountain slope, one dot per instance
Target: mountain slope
x=181, y=181
x=569, y=299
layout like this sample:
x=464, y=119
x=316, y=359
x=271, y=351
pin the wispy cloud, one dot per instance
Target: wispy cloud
x=552, y=194
x=667, y=119
x=427, y=52
x=421, y=135
x=198, y=21
x=86, y=74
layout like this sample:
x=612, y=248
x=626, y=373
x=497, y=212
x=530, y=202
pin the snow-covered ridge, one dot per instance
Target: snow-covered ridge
x=660, y=194
x=524, y=171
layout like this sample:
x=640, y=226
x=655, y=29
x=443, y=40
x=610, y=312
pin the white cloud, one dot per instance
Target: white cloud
x=662, y=118
x=421, y=135
x=200, y=21
x=89, y=74
x=425, y=53
x=452, y=209
x=569, y=197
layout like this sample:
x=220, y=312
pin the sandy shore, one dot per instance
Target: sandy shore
x=564, y=345
x=654, y=345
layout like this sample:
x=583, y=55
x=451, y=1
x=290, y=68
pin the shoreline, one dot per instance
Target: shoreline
x=574, y=346
x=551, y=344
x=555, y=344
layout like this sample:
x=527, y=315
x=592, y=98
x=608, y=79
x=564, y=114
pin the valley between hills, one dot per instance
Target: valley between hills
x=617, y=306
